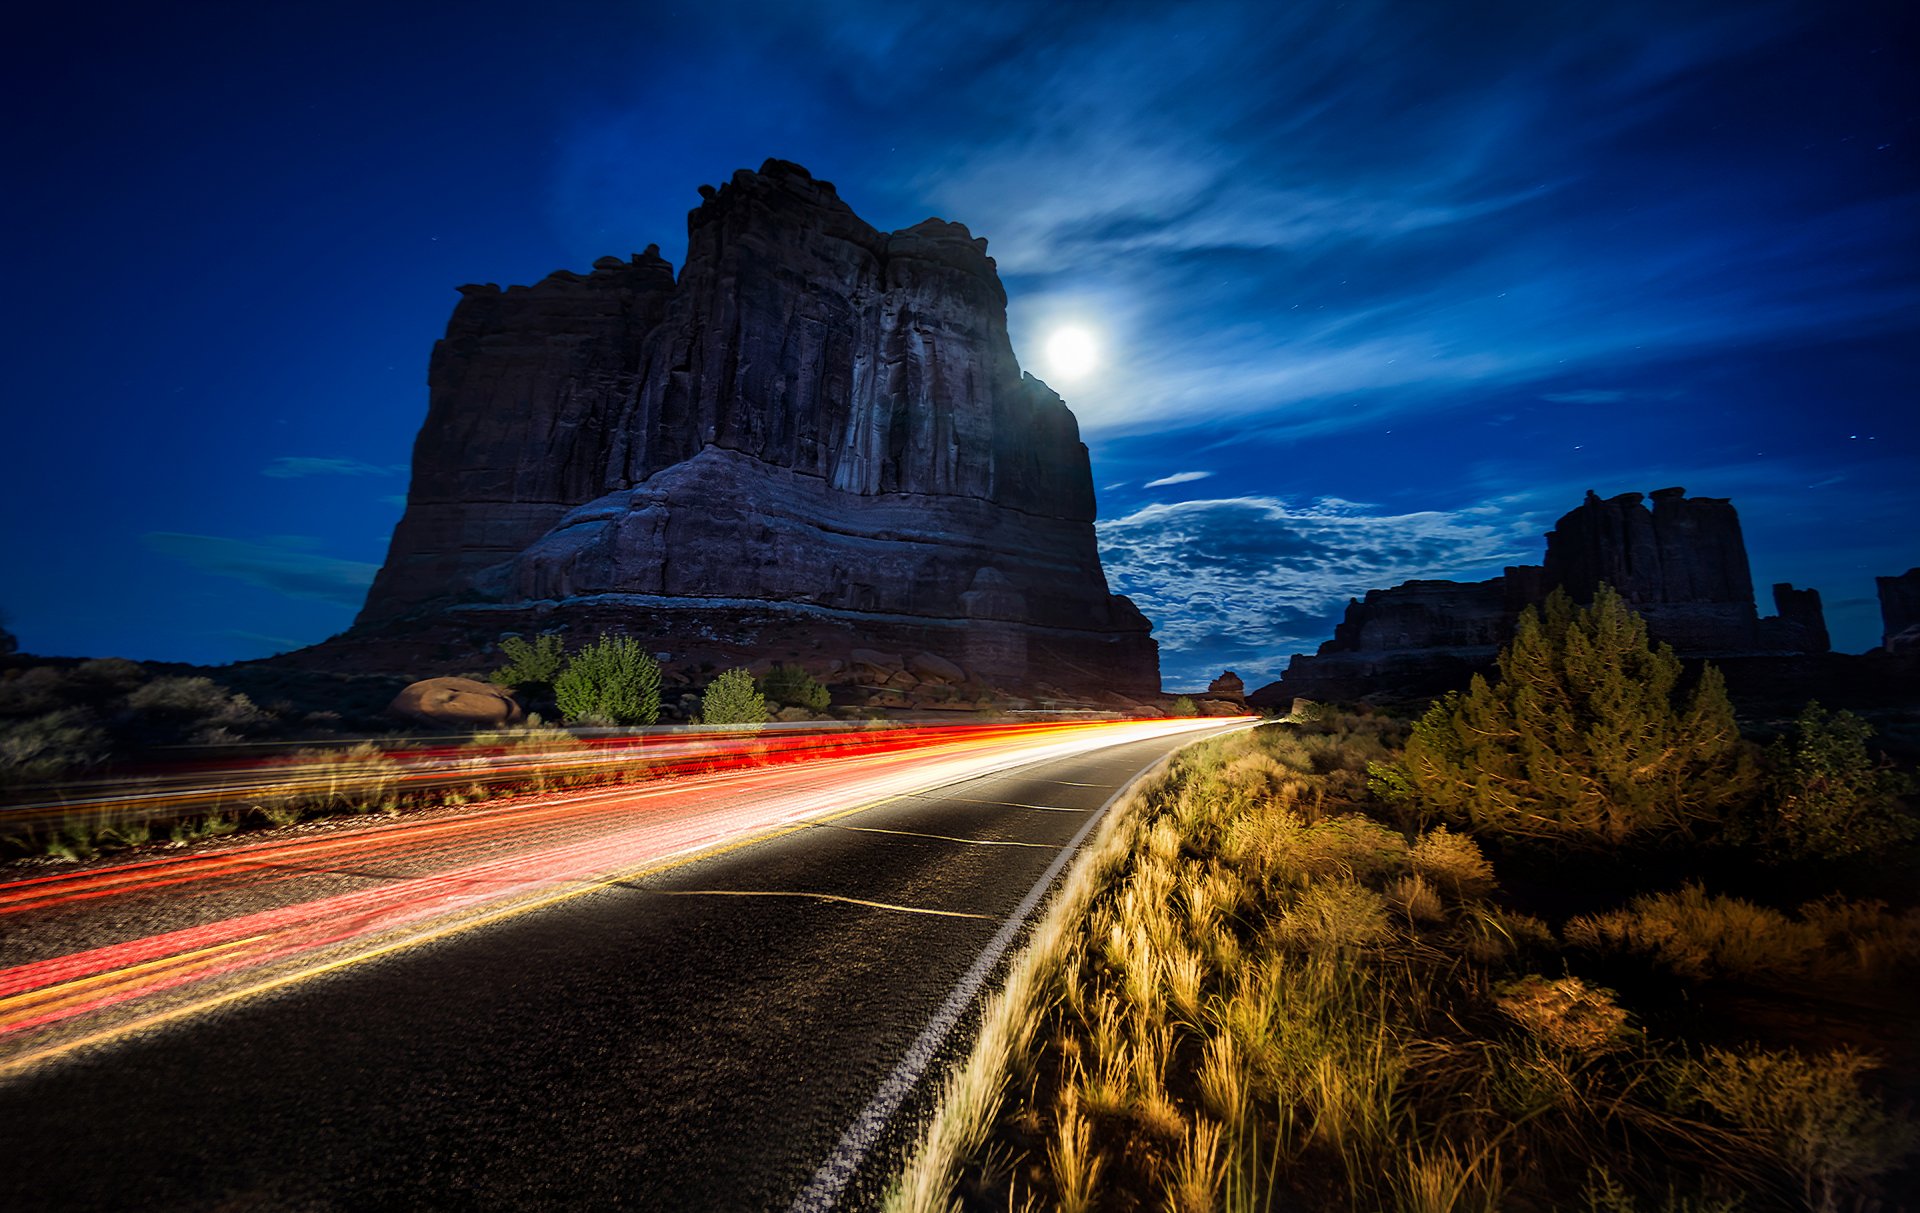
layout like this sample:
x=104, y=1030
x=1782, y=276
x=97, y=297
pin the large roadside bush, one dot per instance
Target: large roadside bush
x=610, y=680
x=731, y=699
x=538, y=663
x=1584, y=738
x=1826, y=796
x=793, y=687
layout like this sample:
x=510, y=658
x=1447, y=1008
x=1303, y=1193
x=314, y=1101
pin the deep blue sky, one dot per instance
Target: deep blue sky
x=1402, y=280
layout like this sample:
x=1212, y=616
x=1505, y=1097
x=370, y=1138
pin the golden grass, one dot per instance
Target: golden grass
x=1248, y=997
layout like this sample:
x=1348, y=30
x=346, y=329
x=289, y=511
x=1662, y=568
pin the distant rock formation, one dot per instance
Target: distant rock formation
x=817, y=438
x=1228, y=686
x=1900, y=612
x=1682, y=564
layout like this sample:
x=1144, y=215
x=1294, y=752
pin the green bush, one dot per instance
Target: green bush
x=1583, y=738
x=793, y=687
x=731, y=699
x=1826, y=796
x=197, y=711
x=62, y=742
x=1183, y=706
x=539, y=662
x=612, y=680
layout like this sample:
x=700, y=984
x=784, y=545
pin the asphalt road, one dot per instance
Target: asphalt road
x=698, y=1038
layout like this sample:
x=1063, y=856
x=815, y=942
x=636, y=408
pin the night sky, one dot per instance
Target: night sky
x=1380, y=289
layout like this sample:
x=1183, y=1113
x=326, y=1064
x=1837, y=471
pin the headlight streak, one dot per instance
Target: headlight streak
x=482, y=865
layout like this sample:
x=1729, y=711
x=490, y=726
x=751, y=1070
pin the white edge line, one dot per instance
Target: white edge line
x=830, y=1182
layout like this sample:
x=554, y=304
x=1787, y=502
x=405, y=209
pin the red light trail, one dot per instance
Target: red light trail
x=344, y=895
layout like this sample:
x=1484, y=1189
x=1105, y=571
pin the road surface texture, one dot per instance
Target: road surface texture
x=464, y=1011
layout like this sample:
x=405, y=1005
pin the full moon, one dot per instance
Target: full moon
x=1072, y=352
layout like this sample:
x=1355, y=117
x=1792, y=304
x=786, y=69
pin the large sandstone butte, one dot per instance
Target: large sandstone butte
x=1681, y=563
x=817, y=438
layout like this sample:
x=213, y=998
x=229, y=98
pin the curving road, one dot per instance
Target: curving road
x=710, y=993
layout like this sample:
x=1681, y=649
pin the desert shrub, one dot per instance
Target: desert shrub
x=793, y=687
x=1564, y=1012
x=48, y=746
x=1452, y=863
x=1583, y=738
x=1808, y=1115
x=1183, y=706
x=1332, y=915
x=1350, y=847
x=357, y=779
x=1698, y=935
x=731, y=699
x=1826, y=796
x=1864, y=937
x=537, y=663
x=611, y=679
x=196, y=710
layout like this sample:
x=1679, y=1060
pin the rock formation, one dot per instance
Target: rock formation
x=1900, y=612
x=1682, y=564
x=1228, y=686
x=816, y=438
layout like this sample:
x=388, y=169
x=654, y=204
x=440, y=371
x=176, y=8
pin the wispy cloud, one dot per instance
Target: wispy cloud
x=289, y=467
x=1585, y=396
x=1177, y=478
x=1245, y=582
x=285, y=565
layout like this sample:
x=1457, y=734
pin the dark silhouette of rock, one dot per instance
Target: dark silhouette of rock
x=1799, y=624
x=457, y=703
x=1682, y=564
x=1900, y=612
x=9, y=643
x=1227, y=686
x=818, y=437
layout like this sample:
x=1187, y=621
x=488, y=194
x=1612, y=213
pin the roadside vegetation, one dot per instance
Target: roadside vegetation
x=104, y=755
x=1566, y=942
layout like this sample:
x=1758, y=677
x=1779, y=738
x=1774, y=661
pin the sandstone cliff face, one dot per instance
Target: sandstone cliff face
x=817, y=418
x=1900, y=612
x=1681, y=564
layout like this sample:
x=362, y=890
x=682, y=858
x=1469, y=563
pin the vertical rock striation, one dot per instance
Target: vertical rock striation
x=819, y=432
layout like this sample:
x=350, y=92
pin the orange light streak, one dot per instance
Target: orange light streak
x=449, y=873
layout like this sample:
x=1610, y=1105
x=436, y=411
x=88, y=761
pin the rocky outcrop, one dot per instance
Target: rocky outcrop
x=1900, y=612
x=1228, y=686
x=1682, y=564
x=817, y=438
x=456, y=703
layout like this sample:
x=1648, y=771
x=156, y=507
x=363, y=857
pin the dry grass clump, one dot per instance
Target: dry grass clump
x=1247, y=999
x=360, y=778
x=1564, y=1012
x=1808, y=1113
x=1452, y=864
x=1700, y=935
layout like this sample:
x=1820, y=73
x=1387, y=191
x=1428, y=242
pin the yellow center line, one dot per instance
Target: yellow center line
x=977, y=842
x=18, y=1006
x=852, y=901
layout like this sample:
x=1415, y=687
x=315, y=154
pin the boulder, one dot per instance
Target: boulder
x=457, y=703
x=930, y=667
